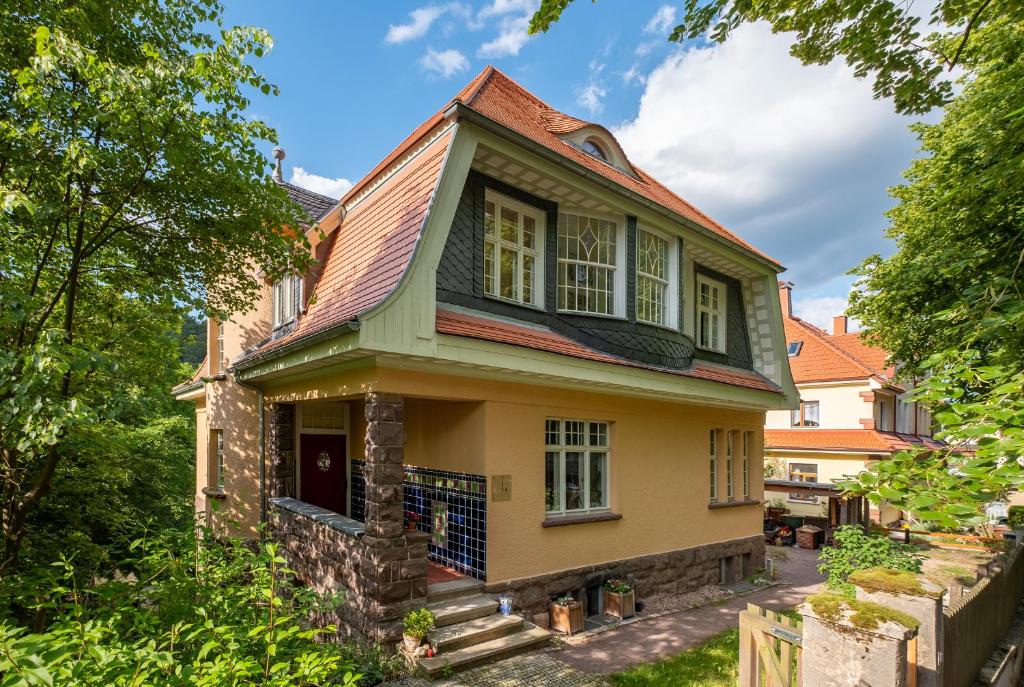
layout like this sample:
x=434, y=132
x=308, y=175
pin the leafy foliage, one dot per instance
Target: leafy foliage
x=418, y=622
x=130, y=179
x=191, y=612
x=881, y=38
x=855, y=551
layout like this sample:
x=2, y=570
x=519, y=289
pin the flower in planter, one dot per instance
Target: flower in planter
x=616, y=586
x=565, y=601
x=415, y=626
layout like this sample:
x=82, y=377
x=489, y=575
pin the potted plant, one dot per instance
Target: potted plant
x=412, y=519
x=619, y=600
x=776, y=509
x=415, y=627
x=566, y=615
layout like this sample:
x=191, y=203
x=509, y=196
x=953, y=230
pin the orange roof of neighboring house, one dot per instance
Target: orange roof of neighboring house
x=859, y=440
x=824, y=357
x=543, y=339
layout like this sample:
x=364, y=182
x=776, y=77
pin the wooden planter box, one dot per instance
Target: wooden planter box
x=567, y=619
x=776, y=513
x=621, y=606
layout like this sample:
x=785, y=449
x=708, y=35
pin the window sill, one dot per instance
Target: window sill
x=215, y=493
x=711, y=350
x=733, y=504
x=583, y=313
x=512, y=301
x=562, y=520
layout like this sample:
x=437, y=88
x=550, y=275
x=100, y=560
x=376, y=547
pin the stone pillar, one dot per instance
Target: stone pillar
x=915, y=596
x=396, y=573
x=281, y=480
x=853, y=642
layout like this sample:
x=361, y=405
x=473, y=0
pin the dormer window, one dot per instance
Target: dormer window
x=591, y=147
x=284, y=300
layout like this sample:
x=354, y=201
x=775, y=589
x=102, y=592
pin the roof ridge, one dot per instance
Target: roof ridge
x=826, y=339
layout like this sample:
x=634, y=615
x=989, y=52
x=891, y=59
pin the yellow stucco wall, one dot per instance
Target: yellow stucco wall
x=658, y=470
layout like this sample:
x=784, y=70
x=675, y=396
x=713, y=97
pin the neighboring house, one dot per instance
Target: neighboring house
x=853, y=410
x=559, y=365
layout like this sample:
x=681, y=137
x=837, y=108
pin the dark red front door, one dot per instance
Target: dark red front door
x=322, y=471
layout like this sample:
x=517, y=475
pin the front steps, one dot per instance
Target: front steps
x=470, y=632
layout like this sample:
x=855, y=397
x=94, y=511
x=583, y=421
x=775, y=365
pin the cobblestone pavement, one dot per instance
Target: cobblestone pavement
x=535, y=669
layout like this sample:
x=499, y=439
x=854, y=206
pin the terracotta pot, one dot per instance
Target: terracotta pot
x=411, y=643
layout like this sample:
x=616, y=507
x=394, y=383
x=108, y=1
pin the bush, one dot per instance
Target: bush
x=191, y=612
x=418, y=623
x=854, y=550
x=1015, y=517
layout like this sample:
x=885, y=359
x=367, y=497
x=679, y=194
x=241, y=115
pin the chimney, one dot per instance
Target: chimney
x=786, y=297
x=838, y=325
x=278, y=154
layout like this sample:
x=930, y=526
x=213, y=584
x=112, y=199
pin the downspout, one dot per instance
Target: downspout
x=263, y=449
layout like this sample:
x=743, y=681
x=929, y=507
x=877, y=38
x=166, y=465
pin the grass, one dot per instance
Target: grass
x=715, y=663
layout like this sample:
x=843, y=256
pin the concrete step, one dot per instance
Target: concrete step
x=460, y=610
x=453, y=589
x=470, y=632
x=530, y=637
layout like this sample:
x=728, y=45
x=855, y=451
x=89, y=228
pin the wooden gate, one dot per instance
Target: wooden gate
x=771, y=645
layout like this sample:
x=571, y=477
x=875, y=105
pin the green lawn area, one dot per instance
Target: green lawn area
x=712, y=664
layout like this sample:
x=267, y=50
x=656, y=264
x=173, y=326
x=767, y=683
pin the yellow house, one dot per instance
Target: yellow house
x=521, y=365
x=853, y=410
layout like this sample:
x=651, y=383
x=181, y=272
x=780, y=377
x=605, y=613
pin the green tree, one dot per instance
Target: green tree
x=193, y=339
x=130, y=179
x=880, y=38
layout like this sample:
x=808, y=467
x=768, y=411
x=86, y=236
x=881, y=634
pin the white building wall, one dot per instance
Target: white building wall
x=839, y=404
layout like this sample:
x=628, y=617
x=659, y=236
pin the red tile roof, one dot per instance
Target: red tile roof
x=860, y=440
x=825, y=358
x=541, y=339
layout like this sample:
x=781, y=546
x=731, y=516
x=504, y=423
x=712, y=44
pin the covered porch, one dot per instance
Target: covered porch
x=353, y=515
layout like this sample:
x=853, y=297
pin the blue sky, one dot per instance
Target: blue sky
x=794, y=159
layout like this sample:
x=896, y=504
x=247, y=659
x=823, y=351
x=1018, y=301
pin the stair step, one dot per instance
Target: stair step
x=530, y=637
x=453, y=589
x=465, y=608
x=477, y=631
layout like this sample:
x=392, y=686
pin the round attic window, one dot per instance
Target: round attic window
x=592, y=148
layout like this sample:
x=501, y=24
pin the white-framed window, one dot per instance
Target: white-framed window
x=656, y=280
x=513, y=250
x=589, y=278
x=729, y=486
x=747, y=436
x=218, y=458
x=713, y=464
x=711, y=313
x=221, y=357
x=807, y=415
x=575, y=466
x=284, y=299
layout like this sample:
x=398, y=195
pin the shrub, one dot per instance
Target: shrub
x=1015, y=516
x=854, y=550
x=192, y=611
x=418, y=623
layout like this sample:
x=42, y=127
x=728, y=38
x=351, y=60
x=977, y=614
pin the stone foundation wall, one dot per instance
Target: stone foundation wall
x=674, y=572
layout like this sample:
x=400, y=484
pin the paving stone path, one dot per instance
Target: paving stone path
x=536, y=669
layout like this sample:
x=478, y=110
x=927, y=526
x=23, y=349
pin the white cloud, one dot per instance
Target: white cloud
x=663, y=20
x=420, y=21
x=591, y=97
x=795, y=158
x=499, y=8
x=819, y=311
x=512, y=36
x=633, y=74
x=446, y=62
x=334, y=188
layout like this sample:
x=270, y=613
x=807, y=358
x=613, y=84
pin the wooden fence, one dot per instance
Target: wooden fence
x=977, y=622
x=771, y=645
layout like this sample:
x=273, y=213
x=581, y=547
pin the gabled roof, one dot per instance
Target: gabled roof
x=314, y=205
x=827, y=358
x=480, y=326
x=855, y=440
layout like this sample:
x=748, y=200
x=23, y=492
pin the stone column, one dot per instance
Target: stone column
x=396, y=574
x=853, y=642
x=281, y=480
x=915, y=596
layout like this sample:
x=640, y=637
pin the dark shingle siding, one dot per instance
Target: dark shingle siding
x=314, y=205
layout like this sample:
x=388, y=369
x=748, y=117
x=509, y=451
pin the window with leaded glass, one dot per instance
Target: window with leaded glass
x=587, y=262
x=713, y=465
x=711, y=299
x=652, y=278
x=513, y=250
x=575, y=466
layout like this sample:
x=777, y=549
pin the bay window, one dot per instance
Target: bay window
x=654, y=295
x=588, y=274
x=711, y=312
x=513, y=250
x=575, y=466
